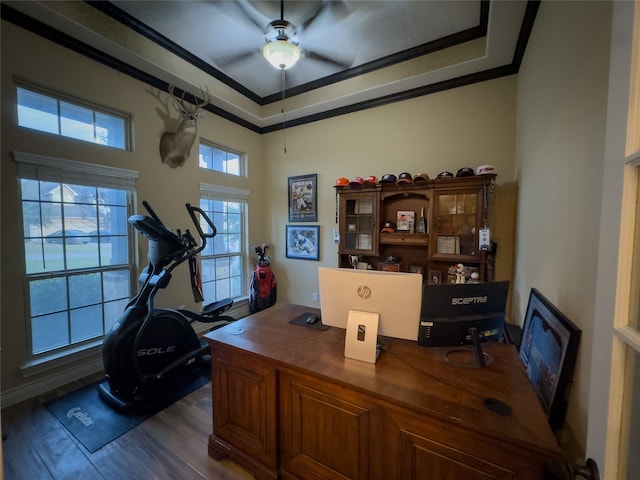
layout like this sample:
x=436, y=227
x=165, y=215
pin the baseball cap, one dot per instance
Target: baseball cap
x=420, y=178
x=356, y=181
x=371, y=179
x=486, y=170
x=445, y=175
x=342, y=181
x=389, y=227
x=465, y=172
x=405, y=177
x=388, y=178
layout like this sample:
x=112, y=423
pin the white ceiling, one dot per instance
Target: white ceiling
x=358, y=54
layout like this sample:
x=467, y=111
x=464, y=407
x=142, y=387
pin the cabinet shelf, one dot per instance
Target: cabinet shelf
x=404, y=238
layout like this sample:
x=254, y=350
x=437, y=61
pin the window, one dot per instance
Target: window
x=78, y=255
x=223, y=260
x=53, y=114
x=222, y=160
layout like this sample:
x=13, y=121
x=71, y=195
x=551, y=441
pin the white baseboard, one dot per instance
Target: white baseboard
x=34, y=388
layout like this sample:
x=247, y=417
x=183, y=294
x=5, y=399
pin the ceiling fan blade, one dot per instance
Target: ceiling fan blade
x=228, y=60
x=337, y=8
x=242, y=9
x=340, y=63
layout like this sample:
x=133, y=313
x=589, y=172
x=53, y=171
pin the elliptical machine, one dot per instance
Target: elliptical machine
x=147, y=346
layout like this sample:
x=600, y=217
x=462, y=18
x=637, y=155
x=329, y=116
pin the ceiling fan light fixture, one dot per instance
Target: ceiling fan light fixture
x=281, y=53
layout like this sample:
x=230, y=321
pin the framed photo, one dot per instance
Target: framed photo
x=303, y=241
x=303, y=198
x=435, y=277
x=548, y=349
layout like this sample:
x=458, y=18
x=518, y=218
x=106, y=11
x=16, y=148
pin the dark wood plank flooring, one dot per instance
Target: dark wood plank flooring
x=169, y=445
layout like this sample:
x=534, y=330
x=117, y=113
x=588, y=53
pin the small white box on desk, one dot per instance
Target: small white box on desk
x=361, y=339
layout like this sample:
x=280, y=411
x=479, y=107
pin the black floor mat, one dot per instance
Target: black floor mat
x=95, y=424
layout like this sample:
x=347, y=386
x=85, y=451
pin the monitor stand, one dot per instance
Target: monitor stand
x=480, y=359
x=361, y=338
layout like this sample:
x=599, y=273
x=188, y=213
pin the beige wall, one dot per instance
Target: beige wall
x=562, y=94
x=468, y=126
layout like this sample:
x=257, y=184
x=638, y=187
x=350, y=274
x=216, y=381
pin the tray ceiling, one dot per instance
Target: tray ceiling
x=356, y=54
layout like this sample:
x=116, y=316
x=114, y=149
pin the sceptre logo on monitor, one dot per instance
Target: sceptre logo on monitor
x=468, y=300
x=364, y=292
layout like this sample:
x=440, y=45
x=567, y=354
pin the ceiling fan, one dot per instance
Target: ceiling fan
x=282, y=47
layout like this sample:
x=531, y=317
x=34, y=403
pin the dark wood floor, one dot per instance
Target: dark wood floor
x=169, y=445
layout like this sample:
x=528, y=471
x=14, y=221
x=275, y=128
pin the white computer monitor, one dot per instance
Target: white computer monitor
x=395, y=296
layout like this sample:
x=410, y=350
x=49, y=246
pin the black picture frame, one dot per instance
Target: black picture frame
x=303, y=241
x=303, y=198
x=549, y=349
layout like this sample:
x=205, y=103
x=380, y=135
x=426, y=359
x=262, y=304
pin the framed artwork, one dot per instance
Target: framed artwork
x=548, y=349
x=303, y=198
x=303, y=241
x=435, y=277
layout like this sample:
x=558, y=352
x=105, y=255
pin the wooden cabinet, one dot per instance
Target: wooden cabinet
x=455, y=209
x=288, y=404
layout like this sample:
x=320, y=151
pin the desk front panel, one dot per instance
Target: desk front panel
x=411, y=405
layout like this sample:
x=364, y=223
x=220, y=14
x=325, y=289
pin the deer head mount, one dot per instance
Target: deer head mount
x=175, y=147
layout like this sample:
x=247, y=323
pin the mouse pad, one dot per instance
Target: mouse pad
x=302, y=321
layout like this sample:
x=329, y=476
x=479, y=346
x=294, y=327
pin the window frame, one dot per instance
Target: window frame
x=77, y=102
x=231, y=194
x=52, y=169
x=242, y=158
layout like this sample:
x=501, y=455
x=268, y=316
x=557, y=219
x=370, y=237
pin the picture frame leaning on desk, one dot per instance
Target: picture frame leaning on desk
x=548, y=349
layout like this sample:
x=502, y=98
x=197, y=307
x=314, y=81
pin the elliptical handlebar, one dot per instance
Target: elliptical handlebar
x=167, y=246
x=191, y=209
x=146, y=205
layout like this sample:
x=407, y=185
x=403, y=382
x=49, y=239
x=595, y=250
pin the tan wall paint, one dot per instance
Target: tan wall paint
x=562, y=101
x=468, y=126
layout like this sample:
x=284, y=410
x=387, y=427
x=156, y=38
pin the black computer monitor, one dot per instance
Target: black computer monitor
x=450, y=311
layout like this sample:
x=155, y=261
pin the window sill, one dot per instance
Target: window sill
x=43, y=364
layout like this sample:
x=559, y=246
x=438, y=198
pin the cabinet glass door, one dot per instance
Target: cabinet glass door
x=456, y=224
x=359, y=225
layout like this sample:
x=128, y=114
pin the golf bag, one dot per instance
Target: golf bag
x=263, y=289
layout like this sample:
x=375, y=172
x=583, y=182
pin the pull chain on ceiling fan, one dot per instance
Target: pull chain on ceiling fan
x=284, y=119
x=282, y=49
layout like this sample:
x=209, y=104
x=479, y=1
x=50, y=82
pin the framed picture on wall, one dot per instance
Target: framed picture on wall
x=303, y=241
x=303, y=198
x=548, y=349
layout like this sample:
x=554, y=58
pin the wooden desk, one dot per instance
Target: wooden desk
x=288, y=404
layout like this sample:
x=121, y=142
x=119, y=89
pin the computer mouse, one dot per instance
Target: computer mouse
x=311, y=319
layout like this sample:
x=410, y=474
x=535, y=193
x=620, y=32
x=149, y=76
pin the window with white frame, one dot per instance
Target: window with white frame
x=52, y=113
x=221, y=159
x=223, y=260
x=79, y=258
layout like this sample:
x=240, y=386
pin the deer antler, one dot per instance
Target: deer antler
x=206, y=97
x=193, y=109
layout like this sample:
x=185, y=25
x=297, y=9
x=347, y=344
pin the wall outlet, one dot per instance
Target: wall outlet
x=181, y=307
x=315, y=296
